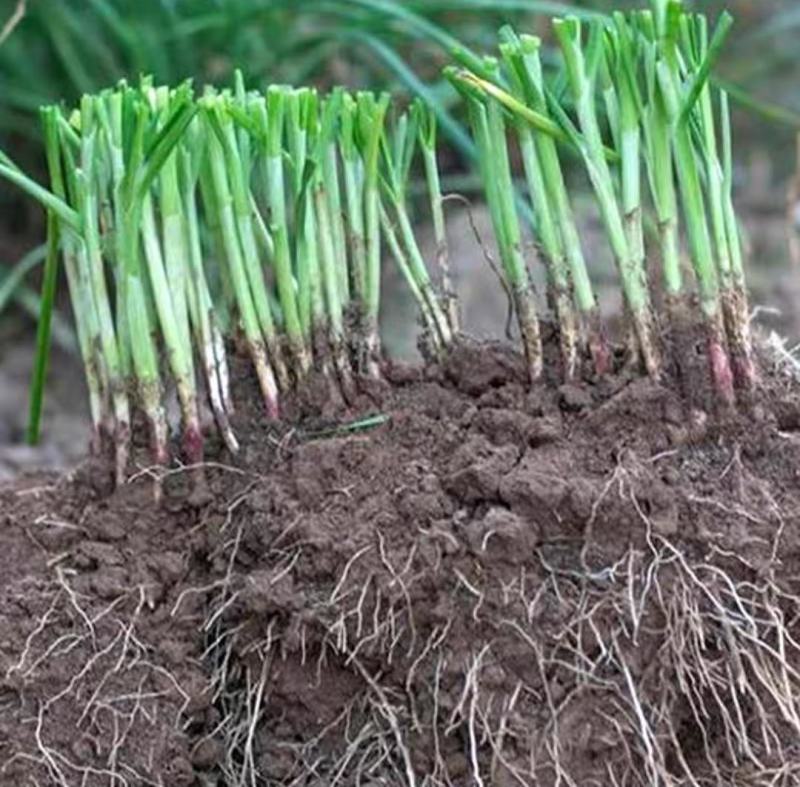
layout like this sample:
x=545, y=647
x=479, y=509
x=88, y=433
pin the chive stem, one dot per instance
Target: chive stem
x=371, y=119
x=489, y=131
x=271, y=115
x=223, y=203
x=629, y=257
x=427, y=130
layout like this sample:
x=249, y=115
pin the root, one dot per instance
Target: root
x=86, y=657
x=655, y=667
x=386, y=710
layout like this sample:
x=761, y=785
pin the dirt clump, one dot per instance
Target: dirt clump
x=487, y=584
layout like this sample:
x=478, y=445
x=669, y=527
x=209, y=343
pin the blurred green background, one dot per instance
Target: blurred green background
x=55, y=50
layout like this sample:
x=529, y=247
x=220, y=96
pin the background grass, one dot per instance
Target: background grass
x=62, y=48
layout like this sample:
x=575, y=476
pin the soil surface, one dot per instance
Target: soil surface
x=462, y=581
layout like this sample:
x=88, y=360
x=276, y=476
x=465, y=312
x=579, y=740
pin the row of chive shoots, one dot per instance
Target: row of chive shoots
x=185, y=223
x=635, y=103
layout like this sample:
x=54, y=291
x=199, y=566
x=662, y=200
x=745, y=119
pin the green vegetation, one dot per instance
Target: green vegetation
x=188, y=224
x=650, y=72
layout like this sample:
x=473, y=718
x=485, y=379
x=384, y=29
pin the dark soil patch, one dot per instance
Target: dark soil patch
x=589, y=585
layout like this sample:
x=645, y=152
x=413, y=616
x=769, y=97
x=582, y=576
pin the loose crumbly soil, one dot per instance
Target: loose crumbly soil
x=582, y=585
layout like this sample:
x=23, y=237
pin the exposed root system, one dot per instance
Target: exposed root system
x=486, y=585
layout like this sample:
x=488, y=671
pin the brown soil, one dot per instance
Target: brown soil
x=585, y=585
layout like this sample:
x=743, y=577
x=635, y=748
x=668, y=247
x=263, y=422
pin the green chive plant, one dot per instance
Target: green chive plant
x=636, y=105
x=714, y=150
x=186, y=222
x=682, y=85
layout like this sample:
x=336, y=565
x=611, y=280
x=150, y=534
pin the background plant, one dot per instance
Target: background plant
x=63, y=48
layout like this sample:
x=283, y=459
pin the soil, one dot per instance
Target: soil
x=462, y=582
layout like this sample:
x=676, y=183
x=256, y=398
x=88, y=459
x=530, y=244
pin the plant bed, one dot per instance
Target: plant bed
x=570, y=563
x=488, y=584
